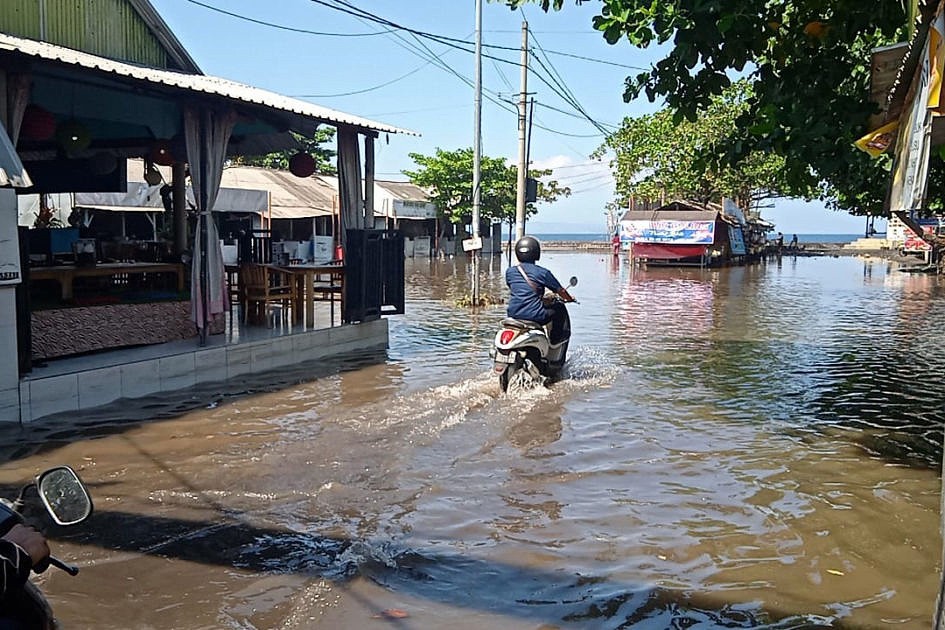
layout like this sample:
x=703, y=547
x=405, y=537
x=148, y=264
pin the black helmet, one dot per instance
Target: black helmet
x=528, y=249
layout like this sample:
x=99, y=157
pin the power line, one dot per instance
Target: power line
x=282, y=27
x=457, y=43
x=370, y=89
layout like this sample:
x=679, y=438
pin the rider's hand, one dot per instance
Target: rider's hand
x=30, y=540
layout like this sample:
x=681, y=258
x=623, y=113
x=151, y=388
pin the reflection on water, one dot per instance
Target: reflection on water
x=750, y=447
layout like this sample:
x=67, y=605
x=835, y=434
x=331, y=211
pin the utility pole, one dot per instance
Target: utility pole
x=522, y=146
x=477, y=157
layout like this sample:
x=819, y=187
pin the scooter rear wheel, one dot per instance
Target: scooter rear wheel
x=505, y=376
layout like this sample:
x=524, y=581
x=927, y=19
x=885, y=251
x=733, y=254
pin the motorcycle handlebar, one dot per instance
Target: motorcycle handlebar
x=56, y=562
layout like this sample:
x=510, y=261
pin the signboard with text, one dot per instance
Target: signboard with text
x=672, y=232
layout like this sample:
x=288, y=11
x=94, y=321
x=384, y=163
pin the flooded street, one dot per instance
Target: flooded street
x=747, y=447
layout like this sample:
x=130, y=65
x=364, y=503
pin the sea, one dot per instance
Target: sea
x=601, y=236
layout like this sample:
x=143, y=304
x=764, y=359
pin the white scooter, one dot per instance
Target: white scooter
x=523, y=346
x=68, y=503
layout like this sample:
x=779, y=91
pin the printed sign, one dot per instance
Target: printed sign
x=471, y=244
x=673, y=232
x=737, y=240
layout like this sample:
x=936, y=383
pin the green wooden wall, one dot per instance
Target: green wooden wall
x=107, y=28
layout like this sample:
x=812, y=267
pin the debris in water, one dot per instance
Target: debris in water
x=392, y=613
x=835, y=572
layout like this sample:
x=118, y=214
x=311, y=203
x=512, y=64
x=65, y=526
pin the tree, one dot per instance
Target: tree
x=808, y=64
x=655, y=156
x=448, y=177
x=317, y=146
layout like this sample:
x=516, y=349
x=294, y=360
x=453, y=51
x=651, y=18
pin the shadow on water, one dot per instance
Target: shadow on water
x=458, y=580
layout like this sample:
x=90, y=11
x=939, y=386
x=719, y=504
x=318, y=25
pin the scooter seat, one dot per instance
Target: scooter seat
x=521, y=324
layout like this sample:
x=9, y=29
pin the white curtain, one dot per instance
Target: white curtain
x=349, y=182
x=207, y=133
x=18, y=99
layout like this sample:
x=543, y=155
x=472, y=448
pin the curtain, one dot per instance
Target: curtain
x=18, y=98
x=349, y=182
x=207, y=133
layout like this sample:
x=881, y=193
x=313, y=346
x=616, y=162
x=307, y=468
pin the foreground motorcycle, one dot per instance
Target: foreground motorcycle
x=67, y=502
x=522, y=346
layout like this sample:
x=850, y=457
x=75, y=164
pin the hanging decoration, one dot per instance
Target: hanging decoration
x=73, y=136
x=162, y=153
x=151, y=174
x=302, y=165
x=38, y=123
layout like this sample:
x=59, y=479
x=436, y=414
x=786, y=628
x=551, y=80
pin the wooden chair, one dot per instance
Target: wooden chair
x=326, y=289
x=262, y=285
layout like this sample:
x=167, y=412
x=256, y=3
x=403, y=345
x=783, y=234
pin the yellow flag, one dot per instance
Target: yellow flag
x=936, y=63
x=878, y=141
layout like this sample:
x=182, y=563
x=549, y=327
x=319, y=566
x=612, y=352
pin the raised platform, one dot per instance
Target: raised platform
x=86, y=382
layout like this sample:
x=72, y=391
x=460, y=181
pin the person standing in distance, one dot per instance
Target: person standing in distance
x=527, y=282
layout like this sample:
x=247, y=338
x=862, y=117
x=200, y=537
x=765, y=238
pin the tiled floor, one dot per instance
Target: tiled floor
x=88, y=381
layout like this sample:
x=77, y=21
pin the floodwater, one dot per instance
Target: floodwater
x=749, y=447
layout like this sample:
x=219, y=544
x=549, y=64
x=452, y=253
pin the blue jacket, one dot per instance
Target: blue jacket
x=525, y=301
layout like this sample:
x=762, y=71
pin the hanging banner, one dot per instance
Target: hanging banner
x=675, y=232
x=912, y=150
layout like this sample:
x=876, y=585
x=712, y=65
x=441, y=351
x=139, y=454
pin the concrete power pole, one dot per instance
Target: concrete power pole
x=522, y=142
x=477, y=156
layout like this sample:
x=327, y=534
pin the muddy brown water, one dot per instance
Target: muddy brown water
x=749, y=447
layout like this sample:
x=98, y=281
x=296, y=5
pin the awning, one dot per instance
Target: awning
x=191, y=83
x=144, y=198
x=298, y=212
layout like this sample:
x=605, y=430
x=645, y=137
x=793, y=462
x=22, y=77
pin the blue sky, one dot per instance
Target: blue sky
x=349, y=73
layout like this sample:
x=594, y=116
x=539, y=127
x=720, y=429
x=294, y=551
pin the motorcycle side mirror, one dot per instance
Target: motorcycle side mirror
x=572, y=282
x=64, y=495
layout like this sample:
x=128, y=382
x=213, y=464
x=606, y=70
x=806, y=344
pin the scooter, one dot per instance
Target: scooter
x=523, y=346
x=67, y=501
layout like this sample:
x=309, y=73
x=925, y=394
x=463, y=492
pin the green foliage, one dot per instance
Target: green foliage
x=808, y=65
x=655, y=156
x=317, y=146
x=448, y=177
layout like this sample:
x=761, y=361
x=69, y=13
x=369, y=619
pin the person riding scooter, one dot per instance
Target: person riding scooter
x=527, y=283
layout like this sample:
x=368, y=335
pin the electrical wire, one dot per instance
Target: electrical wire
x=282, y=27
x=554, y=84
x=370, y=89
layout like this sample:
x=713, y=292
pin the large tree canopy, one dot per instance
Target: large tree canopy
x=808, y=64
x=448, y=175
x=656, y=156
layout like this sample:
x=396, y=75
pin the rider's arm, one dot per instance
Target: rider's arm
x=565, y=295
x=15, y=565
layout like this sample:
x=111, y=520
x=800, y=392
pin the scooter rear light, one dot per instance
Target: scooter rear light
x=507, y=336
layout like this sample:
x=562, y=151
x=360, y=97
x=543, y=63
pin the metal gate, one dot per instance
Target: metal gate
x=374, y=274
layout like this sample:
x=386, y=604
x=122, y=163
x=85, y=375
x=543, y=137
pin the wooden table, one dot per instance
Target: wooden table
x=65, y=274
x=311, y=289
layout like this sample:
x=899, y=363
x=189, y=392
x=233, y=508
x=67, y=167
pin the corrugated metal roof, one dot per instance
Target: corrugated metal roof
x=291, y=197
x=670, y=215
x=201, y=84
x=406, y=191
x=677, y=211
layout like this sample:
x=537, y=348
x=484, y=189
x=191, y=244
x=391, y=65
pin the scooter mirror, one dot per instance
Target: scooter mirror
x=64, y=495
x=572, y=282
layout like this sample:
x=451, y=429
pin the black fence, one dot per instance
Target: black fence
x=374, y=274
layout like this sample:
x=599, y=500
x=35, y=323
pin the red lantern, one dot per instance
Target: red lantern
x=161, y=153
x=38, y=124
x=302, y=165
